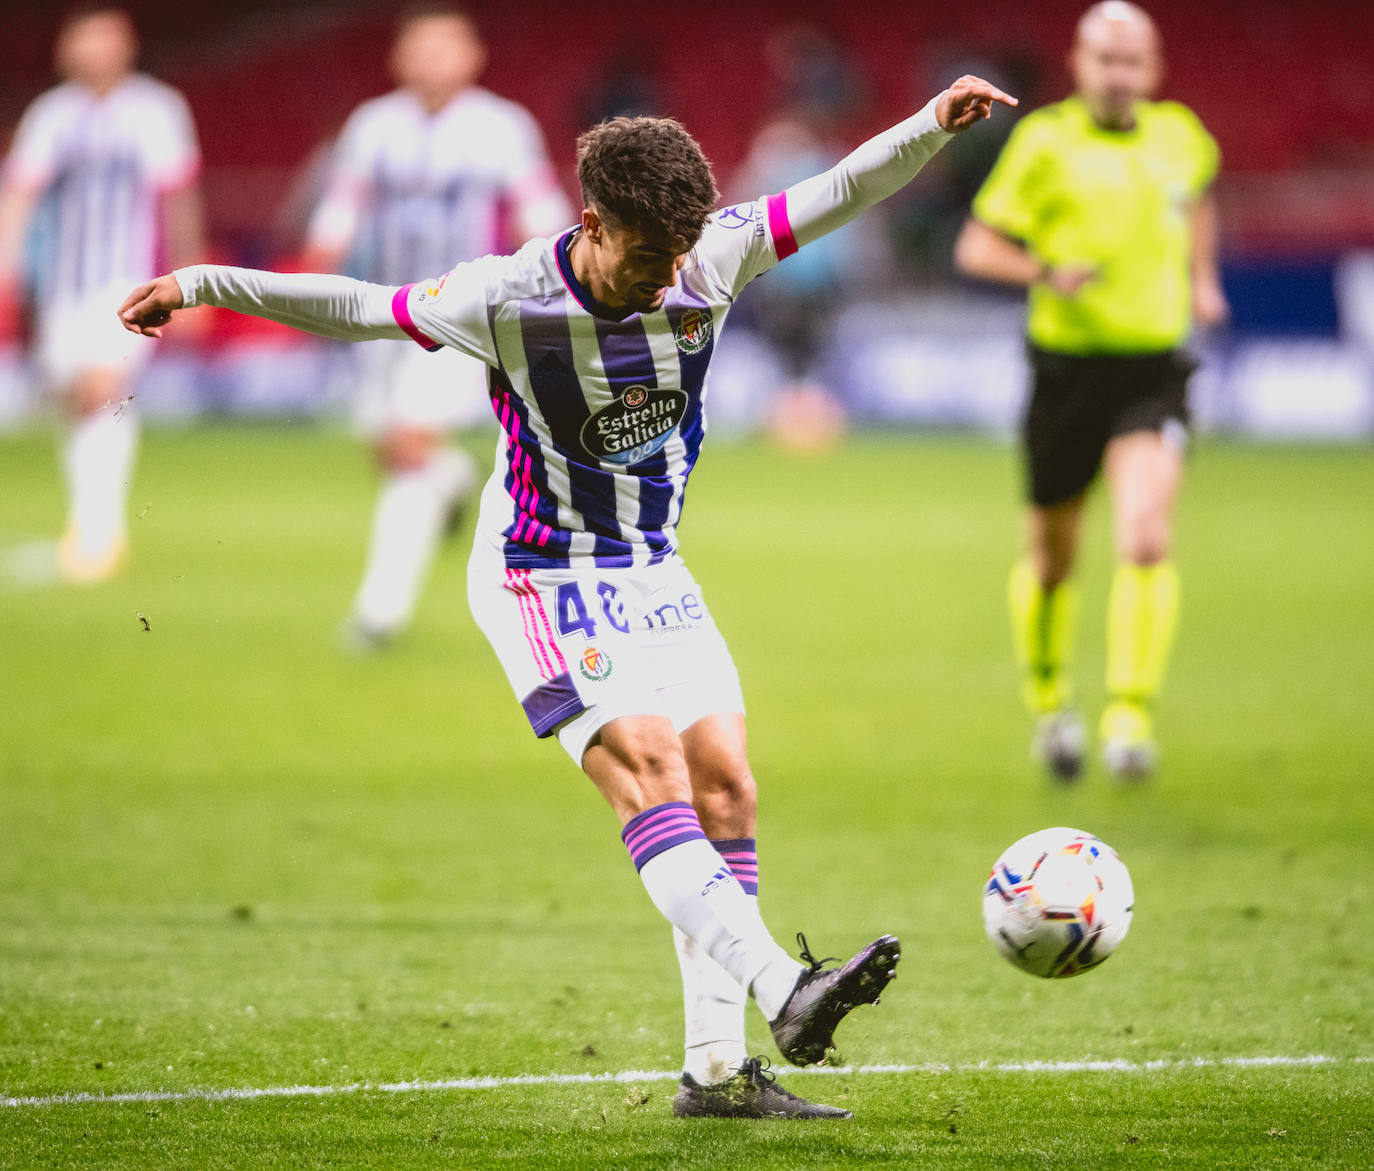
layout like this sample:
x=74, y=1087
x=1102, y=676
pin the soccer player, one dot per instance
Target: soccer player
x=597, y=343
x=1099, y=205
x=100, y=189
x=438, y=171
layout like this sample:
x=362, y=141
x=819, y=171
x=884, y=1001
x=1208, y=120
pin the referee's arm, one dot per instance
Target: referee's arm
x=983, y=252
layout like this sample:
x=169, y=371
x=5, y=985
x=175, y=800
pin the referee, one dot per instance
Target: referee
x=1099, y=205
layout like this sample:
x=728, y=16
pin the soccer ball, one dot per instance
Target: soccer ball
x=1058, y=902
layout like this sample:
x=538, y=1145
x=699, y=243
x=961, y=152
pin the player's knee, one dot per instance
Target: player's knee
x=654, y=760
x=1144, y=540
x=405, y=450
x=93, y=392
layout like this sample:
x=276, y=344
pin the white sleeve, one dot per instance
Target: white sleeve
x=739, y=243
x=880, y=167
x=32, y=158
x=453, y=309
x=320, y=303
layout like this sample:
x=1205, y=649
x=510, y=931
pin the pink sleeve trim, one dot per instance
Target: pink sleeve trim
x=779, y=226
x=401, y=311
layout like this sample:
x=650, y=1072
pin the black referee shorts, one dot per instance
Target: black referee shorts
x=1079, y=404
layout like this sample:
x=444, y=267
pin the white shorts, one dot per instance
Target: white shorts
x=582, y=647
x=402, y=385
x=84, y=333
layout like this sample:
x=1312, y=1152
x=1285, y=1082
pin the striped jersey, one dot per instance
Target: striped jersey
x=411, y=191
x=100, y=164
x=602, y=415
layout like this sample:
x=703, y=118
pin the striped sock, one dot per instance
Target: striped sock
x=694, y=889
x=648, y=834
x=713, y=999
x=741, y=854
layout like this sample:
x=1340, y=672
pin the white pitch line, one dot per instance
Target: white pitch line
x=248, y=1093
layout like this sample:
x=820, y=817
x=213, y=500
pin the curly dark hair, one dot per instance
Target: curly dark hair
x=648, y=174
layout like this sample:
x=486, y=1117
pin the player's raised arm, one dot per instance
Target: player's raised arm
x=331, y=306
x=888, y=162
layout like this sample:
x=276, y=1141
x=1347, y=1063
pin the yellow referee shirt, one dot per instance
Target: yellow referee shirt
x=1120, y=201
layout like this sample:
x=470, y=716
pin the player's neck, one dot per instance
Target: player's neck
x=102, y=87
x=436, y=99
x=580, y=257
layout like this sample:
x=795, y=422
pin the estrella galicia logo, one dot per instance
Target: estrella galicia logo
x=595, y=664
x=693, y=331
x=635, y=426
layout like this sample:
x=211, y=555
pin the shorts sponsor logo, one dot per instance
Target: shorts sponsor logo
x=635, y=426
x=595, y=664
x=693, y=331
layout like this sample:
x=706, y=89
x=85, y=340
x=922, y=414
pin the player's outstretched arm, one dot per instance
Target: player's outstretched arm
x=330, y=306
x=888, y=162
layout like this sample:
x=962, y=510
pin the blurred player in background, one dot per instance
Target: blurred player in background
x=1100, y=206
x=437, y=172
x=100, y=187
x=599, y=342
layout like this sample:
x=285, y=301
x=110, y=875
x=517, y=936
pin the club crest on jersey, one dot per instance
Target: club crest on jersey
x=635, y=425
x=595, y=664
x=693, y=331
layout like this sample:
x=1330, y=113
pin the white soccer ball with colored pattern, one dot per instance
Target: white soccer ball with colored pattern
x=1058, y=902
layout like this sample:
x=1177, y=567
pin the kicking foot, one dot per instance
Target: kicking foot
x=805, y=1028
x=753, y=1092
x=1059, y=743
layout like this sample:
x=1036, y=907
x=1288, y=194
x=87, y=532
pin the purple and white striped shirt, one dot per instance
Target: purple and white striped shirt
x=603, y=417
x=412, y=191
x=100, y=165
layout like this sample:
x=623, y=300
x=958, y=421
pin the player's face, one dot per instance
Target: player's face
x=438, y=55
x=1115, y=64
x=98, y=49
x=636, y=268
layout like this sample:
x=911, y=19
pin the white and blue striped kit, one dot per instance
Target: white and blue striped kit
x=603, y=414
x=99, y=164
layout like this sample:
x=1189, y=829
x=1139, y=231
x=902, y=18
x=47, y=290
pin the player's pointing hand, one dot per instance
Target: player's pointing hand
x=150, y=306
x=967, y=101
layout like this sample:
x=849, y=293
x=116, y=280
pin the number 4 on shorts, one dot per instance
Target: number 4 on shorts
x=572, y=611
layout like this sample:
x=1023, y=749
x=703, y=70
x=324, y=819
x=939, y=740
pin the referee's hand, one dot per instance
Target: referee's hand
x=150, y=306
x=967, y=101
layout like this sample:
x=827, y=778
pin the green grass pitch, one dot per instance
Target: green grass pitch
x=233, y=858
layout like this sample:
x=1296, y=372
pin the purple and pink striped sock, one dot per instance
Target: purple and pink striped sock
x=741, y=855
x=648, y=834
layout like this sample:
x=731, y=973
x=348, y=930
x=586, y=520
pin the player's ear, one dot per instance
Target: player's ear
x=591, y=225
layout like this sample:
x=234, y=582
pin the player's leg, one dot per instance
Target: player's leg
x=632, y=764
x=1144, y=470
x=98, y=447
x=424, y=481
x=1063, y=435
x=724, y=796
x=638, y=766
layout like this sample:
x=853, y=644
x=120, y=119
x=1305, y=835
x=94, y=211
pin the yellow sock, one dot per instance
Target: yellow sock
x=1043, y=628
x=1142, y=615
